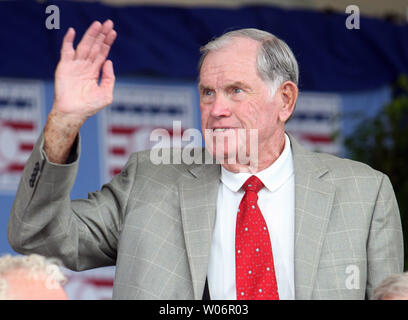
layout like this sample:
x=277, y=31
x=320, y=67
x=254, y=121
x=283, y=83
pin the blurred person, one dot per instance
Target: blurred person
x=31, y=277
x=394, y=287
x=286, y=226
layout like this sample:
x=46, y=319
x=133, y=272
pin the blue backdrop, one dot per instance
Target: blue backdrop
x=165, y=41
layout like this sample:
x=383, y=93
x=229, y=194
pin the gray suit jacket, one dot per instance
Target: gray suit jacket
x=154, y=222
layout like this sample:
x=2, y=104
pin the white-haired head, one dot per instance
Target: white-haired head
x=394, y=287
x=32, y=267
x=276, y=62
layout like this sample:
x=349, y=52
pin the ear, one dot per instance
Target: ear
x=289, y=93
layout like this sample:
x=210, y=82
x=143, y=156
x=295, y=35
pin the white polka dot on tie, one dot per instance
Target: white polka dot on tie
x=239, y=251
x=246, y=229
x=242, y=293
x=267, y=269
x=249, y=271
x=257, y=249
x=264, y=228
x=253, y=207
x=260, y=290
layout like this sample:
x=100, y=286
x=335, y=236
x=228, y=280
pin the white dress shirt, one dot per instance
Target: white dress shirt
x=277, y=204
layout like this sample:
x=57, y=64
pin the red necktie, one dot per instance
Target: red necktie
x=255, y=272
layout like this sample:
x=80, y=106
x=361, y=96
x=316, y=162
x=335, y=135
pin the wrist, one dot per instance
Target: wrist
x=59, y=135
x=65, y=120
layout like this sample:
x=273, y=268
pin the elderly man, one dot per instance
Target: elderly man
x=283, y=224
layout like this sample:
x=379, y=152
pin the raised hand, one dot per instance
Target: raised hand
x=78, y=92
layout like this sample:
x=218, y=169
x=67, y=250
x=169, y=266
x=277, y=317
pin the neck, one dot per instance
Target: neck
x=266, y=157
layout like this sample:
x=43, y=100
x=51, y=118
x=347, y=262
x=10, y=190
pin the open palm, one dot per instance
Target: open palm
x=77, y=89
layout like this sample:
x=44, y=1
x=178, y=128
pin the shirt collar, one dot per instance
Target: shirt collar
x=272, y=177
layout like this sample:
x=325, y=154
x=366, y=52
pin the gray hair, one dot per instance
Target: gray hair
x=276, y=62
x=392, y=287
x=34, y=266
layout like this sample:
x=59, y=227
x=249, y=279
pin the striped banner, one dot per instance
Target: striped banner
x=316, y=122
x=137, y=110
x=95, y=284
x=21, y=110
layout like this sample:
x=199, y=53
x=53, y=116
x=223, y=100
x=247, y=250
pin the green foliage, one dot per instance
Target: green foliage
x=382, y=143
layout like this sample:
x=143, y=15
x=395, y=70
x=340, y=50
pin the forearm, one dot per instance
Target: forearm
x=44, y=220
x=29, y=216
x=59, y=135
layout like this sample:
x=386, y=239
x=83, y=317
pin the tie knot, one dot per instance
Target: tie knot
x=252, y=184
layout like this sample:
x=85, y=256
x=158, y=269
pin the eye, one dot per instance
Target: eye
x=208, y=92
x=237, y=90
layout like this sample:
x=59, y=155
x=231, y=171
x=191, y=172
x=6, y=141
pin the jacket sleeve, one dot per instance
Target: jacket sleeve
x=385, y=249
x=82, y=233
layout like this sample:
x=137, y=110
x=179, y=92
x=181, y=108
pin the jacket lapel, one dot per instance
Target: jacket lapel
x=313, y=204
x=198, y=202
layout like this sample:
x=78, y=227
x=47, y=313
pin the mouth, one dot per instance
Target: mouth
x=216, y=130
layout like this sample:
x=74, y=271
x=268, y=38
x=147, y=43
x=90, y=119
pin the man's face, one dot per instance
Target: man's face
x=233, y=97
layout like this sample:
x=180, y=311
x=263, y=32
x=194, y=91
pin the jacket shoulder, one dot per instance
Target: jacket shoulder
x=169, y=163
x=346, y=167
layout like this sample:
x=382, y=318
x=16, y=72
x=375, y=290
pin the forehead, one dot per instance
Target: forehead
x=237, y=61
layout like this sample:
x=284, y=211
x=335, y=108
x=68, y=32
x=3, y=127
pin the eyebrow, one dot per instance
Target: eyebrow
x=240, y=84
x=202, y=87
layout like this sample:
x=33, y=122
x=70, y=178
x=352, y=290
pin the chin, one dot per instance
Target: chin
x=223, y=154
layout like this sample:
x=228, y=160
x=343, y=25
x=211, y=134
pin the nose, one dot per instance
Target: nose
x=220, y=108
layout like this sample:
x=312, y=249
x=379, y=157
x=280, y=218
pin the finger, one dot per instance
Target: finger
x=96, y=48
x=104, y=50
x=87, y=41
x=108, y=79
x=93, y=54
x=106, y=29
x=107, y=44
x=67, y=48
x=107, y=26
